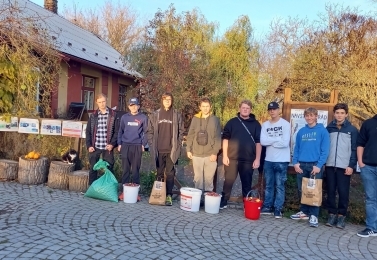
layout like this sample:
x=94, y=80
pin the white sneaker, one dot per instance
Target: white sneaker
x=313, y=222
x=299, y=215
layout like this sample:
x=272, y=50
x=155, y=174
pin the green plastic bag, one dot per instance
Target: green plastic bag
x=106, y=187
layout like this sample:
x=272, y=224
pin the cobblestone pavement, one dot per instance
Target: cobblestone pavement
x=39, y=223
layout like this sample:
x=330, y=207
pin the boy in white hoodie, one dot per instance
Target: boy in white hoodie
x=275, y=136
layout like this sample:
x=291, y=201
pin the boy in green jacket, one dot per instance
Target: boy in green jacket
x=203, y=145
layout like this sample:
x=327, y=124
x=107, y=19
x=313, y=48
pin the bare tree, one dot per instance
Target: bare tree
x=336, y=52
x=117, y=23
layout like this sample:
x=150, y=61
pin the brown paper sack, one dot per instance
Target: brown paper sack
x=311, y=192
x=158, y=194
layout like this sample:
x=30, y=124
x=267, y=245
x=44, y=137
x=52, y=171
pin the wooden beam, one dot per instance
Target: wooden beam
x=334, y=96
x=287, y=95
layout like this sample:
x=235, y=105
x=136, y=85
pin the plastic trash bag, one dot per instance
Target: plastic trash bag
x=106, y=187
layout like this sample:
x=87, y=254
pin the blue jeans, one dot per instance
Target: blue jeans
x=307, y=168
x=275, y=174
x=369, y=176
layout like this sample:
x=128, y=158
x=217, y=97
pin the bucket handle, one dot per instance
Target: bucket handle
x=254, y=191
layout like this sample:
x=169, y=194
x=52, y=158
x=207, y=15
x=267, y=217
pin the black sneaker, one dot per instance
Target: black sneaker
x=223, y=202
x=367, y=233
x=266, y=211
x=331, y=220
x=341, y=223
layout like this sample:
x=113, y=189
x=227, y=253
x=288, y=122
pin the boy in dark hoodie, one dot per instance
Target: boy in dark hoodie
x=132, y=140
x=309, y=155
x=339, y=165
x=165, y=135
x=241, y=150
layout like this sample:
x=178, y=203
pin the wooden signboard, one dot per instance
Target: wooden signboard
x=11, y=126
x=72, y=128
x=293, y=113
x=51, y=127
x=29, y=126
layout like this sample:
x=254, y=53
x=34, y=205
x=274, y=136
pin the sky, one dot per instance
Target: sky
x=226, y=12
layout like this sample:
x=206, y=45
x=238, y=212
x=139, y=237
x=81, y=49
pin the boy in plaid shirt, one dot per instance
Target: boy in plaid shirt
x=101, y=135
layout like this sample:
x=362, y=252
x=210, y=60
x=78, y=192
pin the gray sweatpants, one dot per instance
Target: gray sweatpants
x=204, y=165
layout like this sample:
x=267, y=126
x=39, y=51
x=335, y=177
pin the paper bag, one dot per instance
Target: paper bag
x=311, y=191
x=158, y=194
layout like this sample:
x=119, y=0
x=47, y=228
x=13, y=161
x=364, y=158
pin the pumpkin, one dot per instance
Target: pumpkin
x=33, y=155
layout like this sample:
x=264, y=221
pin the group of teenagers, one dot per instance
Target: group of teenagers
x=334, y=150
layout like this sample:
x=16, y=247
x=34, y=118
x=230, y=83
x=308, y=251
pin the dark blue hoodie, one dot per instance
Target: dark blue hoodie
x=132, y=129
x=312, y=145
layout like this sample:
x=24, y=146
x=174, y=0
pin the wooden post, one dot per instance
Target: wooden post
x=57, y=177
x=78, y=180
x=8, y=169
x=289, y=105
x=31, y=171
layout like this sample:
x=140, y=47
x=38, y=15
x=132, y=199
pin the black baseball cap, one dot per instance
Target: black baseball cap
x=133, y=101
x=273, y=105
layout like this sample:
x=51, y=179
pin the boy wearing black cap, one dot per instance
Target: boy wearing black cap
x=275, y=136
x=132, y=140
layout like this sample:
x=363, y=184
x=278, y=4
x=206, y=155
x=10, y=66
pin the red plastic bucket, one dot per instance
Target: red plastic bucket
x=252, y=207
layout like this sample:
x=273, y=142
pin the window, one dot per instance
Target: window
x=88, y=86
x=122, y=101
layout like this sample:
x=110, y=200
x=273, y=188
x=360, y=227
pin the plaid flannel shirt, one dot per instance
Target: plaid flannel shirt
x=101, y=134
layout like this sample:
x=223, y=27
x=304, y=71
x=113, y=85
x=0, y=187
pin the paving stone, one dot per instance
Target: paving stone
x=66, y=225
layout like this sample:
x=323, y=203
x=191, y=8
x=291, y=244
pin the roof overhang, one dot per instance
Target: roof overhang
x=68, y=57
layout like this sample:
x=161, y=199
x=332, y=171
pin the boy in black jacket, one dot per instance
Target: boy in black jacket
x=241, y=150
x=101, y=135
x=367, y=159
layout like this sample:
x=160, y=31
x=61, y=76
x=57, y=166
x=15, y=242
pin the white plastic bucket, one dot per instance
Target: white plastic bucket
x=212, y=204
x=130, y=193
x=190, y=199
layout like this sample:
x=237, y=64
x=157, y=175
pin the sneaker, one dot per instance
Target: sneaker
x=367, y=233
x=313, y=222
x=341, y=223
x=121, y=197
x=223, y=203
x=168, y=201
x=278, y=214
x=266, y=211
x=331, y=220
x=299, y=215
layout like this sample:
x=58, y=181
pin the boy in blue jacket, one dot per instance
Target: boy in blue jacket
x=309, y=155
x=131, y=141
